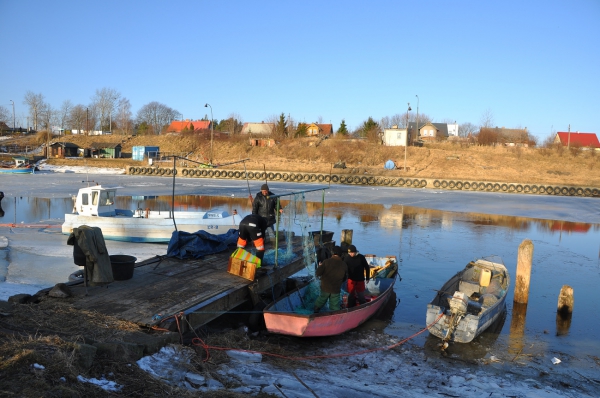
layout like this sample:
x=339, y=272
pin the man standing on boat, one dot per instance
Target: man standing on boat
x=358, y=267
x=333, y=273
x=265, y=206
x=252, y=227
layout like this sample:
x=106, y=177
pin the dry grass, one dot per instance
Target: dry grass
x=438, y=160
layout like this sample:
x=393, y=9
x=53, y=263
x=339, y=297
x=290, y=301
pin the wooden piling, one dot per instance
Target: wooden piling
x=565, y=301
x=346, y=237
x=524, y=259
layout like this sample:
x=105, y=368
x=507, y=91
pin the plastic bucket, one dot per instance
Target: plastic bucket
x=122, y=266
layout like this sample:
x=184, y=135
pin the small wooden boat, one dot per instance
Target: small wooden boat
x=469, y=302
x=95, y=207
x=21, y=166
x=292, y=314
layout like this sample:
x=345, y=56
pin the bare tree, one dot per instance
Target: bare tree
x=124, y=116
x=156, y=115
x=465, y=129
x=487, y=119
x=78, y=118
x=64, y=114
x=104, y=101
x=5, y=115
x=35, y=102
x=233, y=124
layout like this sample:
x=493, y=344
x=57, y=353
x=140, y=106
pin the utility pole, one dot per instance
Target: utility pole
x=13, y=105
x=417, y=116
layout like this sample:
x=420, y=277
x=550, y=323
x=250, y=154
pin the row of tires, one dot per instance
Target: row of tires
x=370, y=180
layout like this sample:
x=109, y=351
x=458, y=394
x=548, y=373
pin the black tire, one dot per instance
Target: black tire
x=519, y=188
x=250, y=174
x=481, y=186
x=335, y=178
x=168, y=172
x=444, y=184
x=451, y=184
x=277, y=176
x=321, y=177
x=416, y=184
x=237, y=174
x=504, y=187
x=436, y=184
x=497, y=187
x=558, y=190
x=587, y=192
x=162, y=171
x=210, y=173
x=572, y=191
x=467, y=185
x=343, y=179
x=313, y=177
x=595, y=192
x=385, y=181
x=185, y=172
x=542, y=189
x=363, y=181
x=408, y=182
x=535, y=189
x=459, y=185
x=511, y=188
x=525, y=188
x=400, y=181
x=271, y=176
x=371, y=180
x=230, y=174
x=131, y=170
x=489, y=187
x=285, y=176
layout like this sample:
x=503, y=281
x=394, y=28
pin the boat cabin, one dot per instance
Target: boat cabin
x=95, y=201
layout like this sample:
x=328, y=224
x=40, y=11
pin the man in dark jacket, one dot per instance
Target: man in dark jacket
x=252, y=227
x=358, y=267
x=333, y=273
x=265, y=206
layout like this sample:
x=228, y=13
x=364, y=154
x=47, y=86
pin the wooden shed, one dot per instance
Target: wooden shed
x=63, y=150
x=105, y=150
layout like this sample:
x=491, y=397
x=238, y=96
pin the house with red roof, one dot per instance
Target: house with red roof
x=589, y=140
x=178, y=126
x=319, y=129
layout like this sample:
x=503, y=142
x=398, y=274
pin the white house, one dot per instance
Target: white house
x=395, y=137
x=453, y=129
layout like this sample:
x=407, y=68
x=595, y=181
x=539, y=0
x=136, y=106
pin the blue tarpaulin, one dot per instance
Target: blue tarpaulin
x=390, y=165
x=200, y=243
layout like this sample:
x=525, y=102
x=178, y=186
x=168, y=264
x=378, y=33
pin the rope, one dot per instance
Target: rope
x=197, y=341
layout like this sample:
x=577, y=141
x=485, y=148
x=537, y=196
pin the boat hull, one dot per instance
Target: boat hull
x=17, y=170
x=441, y=321
x=152, y=227
x=280, y=316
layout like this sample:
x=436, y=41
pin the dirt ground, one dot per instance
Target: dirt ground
x=556, y=165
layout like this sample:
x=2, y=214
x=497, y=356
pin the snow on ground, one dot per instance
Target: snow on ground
x=42, y=166
x=400, y=372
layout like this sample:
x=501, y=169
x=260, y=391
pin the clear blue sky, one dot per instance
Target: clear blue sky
x=533, y=64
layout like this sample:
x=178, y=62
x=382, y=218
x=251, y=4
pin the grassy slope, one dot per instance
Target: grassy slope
x=445, y=160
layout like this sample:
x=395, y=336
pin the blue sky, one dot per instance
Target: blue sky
x=531, y=64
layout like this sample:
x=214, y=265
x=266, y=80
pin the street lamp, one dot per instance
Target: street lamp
x=13, y=104
x=406, y=140
x=417, y=115
x=211, y=132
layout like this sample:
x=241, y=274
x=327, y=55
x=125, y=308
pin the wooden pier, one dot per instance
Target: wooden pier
x=200, y=289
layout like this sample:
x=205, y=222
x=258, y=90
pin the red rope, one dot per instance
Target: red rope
x=197, y=341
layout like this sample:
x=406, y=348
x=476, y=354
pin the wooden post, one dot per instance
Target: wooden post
x=516, y=341
x=346, y=237
x=522, y=280
x=565, y=301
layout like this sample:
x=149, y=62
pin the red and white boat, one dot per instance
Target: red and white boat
x=292, y=314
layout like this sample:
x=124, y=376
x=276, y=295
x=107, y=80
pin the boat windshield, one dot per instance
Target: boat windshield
x=107, y=198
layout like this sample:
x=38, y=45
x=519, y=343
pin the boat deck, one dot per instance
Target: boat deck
x=202, y=289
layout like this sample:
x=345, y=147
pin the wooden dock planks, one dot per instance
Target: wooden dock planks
x=164, y=286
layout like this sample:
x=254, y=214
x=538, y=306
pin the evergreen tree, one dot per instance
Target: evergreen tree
x=343, y=129
x=281, y=129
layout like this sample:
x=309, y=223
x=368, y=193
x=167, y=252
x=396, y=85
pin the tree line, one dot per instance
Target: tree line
x=109, y=110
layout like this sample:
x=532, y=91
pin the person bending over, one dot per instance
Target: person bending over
x=333, y=273
x=252, y=227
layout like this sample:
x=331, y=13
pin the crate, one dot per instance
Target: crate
x=243, y=268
